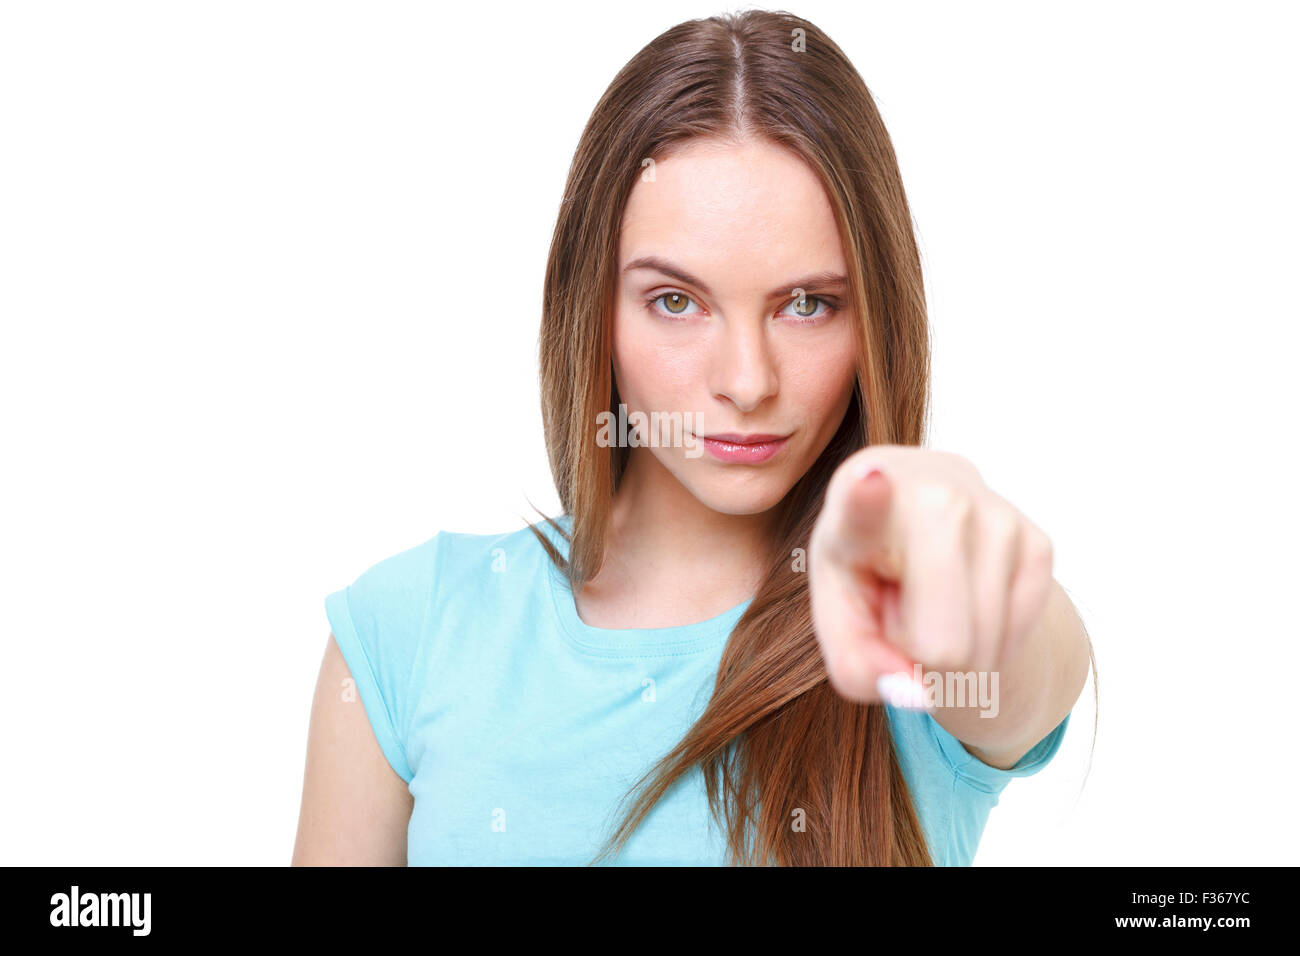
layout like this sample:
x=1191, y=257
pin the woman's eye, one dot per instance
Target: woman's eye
x=674, y=303
x=806, y=307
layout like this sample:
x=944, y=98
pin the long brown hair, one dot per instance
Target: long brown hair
x=775, y=737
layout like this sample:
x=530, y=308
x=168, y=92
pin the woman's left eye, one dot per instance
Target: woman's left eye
x=805, y=308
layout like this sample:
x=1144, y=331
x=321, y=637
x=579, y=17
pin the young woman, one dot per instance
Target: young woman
x=698, y=662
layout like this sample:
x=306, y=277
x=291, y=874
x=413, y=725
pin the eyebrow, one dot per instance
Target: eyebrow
x=818, y=280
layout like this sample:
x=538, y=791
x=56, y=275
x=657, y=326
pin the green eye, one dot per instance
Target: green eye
x=805, y=305
x=674, y=302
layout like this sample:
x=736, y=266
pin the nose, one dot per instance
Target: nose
x=742, y=367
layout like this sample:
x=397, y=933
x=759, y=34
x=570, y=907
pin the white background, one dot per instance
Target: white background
x=270, y=281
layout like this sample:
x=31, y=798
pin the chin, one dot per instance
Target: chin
x=739, y=498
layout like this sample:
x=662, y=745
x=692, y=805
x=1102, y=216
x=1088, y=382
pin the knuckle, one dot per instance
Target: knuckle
x=944, y=502
x=1002, y=525
x=1038, y=551
x=963, y=464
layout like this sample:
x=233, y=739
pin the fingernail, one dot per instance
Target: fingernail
x=902, y=690
x=867, y=471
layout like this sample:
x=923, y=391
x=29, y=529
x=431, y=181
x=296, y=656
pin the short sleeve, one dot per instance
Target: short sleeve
x=379, y=624
x=985, y=777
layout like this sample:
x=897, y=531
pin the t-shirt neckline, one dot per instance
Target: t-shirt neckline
x=632, y=641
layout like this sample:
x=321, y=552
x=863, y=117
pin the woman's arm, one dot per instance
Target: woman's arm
x=1038, y=686
x=355, y=808
x=921, y=574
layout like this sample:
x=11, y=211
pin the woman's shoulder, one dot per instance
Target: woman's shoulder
x=447, y=564
x=389, y=621
x=475, y=552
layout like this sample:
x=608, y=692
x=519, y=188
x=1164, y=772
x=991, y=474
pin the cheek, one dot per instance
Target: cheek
x=820, y=380
x=652, y=373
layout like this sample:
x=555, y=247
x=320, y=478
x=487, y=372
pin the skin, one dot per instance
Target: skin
x=355, y=807
x=746, y=221
x=925, y=565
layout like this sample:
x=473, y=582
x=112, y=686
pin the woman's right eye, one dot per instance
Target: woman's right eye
x=674, y=303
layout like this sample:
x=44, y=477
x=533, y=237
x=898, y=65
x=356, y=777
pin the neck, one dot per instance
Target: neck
x=671, y=560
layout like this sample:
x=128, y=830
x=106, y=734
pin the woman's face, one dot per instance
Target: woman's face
x=707, y=321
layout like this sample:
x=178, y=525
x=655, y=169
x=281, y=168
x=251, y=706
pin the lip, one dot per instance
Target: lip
x=743, y=449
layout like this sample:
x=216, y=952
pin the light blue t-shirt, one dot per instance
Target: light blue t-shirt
x=518, y=727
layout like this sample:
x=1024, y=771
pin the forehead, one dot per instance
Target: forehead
x=732, y=210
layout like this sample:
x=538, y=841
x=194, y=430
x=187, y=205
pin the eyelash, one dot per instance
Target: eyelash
x=832, y=306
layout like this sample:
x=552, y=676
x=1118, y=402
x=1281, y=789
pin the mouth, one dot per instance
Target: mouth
x=743, y=449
